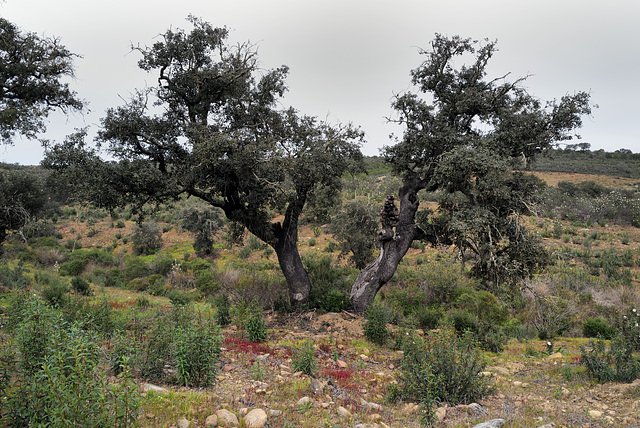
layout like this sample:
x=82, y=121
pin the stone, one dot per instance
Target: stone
x=256, y=418
x=226, y=418
x=183, y=423
x=211, y=421
x=342, y=364
x=478, y=410
x=555, y=356
x=157, y=389
x=275, y=413
x=364, y=357
x=493, y=423
x=595, y=414
x=343, y=413
x=441, y=413
x=303, y=401
x=243, y=411
x=227, y=368
x=317, y=387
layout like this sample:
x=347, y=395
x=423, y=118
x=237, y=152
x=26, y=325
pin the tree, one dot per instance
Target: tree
x=466, y=138
x=31, y=69
x=21, y=197
x=212, y=129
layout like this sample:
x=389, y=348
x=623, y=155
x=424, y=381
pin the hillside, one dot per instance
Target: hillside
x=531, y=342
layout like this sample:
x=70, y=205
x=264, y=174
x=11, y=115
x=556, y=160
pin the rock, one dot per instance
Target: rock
x=441, y=413
x=226, y=418
x=183, y=423
x=317, y=387
x=342, y=364
x=256, y=418
x=343, y=413
x=243, y=411
x=375, y=417
x=363, y=357
x=157, y=389
x=493, y=423
x=478, y=410
x=555, y=356
x=303, y=401
x=595, y=414
x=275, y=413
x=227, y=368
x=211, y=421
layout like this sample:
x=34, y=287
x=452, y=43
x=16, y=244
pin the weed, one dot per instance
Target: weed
x=80, y=286
x=304, y=359
x=256, y=326
x=223, y=306
x=375, y=327
x=258, y=371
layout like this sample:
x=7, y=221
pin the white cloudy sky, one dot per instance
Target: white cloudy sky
x=347, y=58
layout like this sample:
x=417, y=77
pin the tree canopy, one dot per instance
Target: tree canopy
x=467, y=137
x=31, y=86
x=213, y=128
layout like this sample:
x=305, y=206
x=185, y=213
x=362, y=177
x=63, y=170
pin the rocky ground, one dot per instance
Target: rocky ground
x=257, y=386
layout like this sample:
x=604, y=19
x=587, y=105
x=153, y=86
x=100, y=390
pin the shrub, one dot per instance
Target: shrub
x=73, y=267
x=223, y=306
x=207, y=283
x=331, y=284
x=597, y=327
x=617, y=363
x=442, y=367
x=80, y=286
x=147, y=238
x=55, y=293
x=375, y=326
x=134, y=267
x=256, y=325
x=304, y=359
x=429, y=318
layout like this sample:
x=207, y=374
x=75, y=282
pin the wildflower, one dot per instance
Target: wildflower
x=548, y=343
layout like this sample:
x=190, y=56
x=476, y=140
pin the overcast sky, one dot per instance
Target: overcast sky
x=347, y=58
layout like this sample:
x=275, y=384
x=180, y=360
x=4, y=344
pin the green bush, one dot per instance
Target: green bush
x=331, y=284
x=55, y=293
x=375, y=326
x=304, y=359
x=617, y=363
x=223, y=306
x=256, y=326
x=73, y=267
x=597, y=327
x=207, y=282
x=146, y=238
x=80, y=286
x=134, y=267
x=442, y=367
x=429, y=318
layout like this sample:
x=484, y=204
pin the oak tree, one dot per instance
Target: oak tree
x=32, y=70
x=213, y=128
x=467, y=138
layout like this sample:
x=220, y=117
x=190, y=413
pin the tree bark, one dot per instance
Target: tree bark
x=395, y=238
x=294, y=272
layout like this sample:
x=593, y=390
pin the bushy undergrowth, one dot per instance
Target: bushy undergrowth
x=304, y=359
x=375, y=326
x=51, y=376
x=331, y=284
x=183, y=337
x=441, y=367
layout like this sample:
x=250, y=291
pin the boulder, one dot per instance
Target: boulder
x=256, y=418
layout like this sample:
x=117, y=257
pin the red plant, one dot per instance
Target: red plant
x=341, y=376
x=241, y=345
x=122, y=305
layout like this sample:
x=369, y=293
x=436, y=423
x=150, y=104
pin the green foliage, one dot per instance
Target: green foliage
x=304, y=359
x=223, y=306
x=60, y=382
x=146, y=238
x=256, y=325
x=375, y=326
x=331, y=284
x=184, y=336
x=73, y=267
x=442, y=367
x=597, y=327
x=55, y=292
x=80, y=286
x=197, y=350
x=37, y=67
x=616, y=363
x=205, y=223
x=355, y=227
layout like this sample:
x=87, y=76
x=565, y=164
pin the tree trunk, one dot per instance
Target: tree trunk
x=395, y=238
x=291, y=264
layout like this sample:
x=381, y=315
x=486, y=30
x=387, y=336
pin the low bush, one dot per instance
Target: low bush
x=375, y=326
x=615, y=363
x=256, y=326
x=442, y=367
x=223, y=309
x=597, y=327
x=80, y=286
x=304, y=359
x=331, y=284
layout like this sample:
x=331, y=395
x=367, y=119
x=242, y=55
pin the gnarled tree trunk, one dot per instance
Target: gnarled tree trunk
x=396, y=236
x=294, y=272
